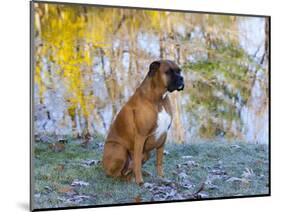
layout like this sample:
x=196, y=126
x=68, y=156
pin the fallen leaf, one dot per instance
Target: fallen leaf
x=91, y=162
x=60, y=167
x=48, y=188
x=57, y=147
x=212, y=187
x=236, y=179
x=190, y=163
x=182, y=176
x=235, y=146
x=166, y=181
x=187, y=157
x=172, y=193
x=248, y=173
x=78, y=198
x=202, y=195
x=187, y=185
x=178, y=166
x=79, y=183
x=67, y=190
x=218, y=172
x=137, y=199
x=197, y=194
x=147, y=185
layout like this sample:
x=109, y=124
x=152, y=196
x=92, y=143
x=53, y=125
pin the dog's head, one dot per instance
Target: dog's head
x=167, y=74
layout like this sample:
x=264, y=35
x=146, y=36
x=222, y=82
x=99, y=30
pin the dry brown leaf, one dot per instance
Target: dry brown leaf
x=138, y=199
x=57, y=147
x=60, y=167
x=66, y=189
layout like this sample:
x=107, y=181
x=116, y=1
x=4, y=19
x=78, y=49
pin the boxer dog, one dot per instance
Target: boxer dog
x=142, y=123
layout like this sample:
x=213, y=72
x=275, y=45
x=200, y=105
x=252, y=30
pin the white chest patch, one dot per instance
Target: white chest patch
x=164, y=95
x=163, y=123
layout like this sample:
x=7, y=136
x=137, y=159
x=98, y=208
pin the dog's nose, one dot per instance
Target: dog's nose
x=181, y=79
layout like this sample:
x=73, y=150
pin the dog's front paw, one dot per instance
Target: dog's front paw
x=139, y=181
x=160, y=172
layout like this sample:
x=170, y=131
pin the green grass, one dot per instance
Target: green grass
x=214, y=163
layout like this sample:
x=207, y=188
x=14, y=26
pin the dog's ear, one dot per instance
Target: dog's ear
x=153, y=67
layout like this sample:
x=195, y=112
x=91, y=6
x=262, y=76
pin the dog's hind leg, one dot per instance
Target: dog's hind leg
x=114, y=159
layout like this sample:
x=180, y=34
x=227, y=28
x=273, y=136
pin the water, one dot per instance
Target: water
x=52, y=117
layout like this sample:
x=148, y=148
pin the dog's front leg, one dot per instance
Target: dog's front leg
x=137, y=158
x=159, y=160
x=159, y=155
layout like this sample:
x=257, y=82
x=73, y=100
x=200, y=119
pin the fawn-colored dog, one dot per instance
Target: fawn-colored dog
x=142, y=123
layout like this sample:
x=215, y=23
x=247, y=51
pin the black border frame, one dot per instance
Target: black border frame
x=31, y=106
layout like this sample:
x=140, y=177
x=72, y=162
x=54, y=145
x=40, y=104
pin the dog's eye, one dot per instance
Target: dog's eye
x=168, y=71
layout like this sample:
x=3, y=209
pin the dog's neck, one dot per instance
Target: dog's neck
x=150, y=91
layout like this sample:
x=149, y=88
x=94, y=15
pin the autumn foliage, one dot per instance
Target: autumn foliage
x=92, y=59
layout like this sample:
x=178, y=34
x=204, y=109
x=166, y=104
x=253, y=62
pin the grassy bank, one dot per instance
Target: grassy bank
x=73, y=176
